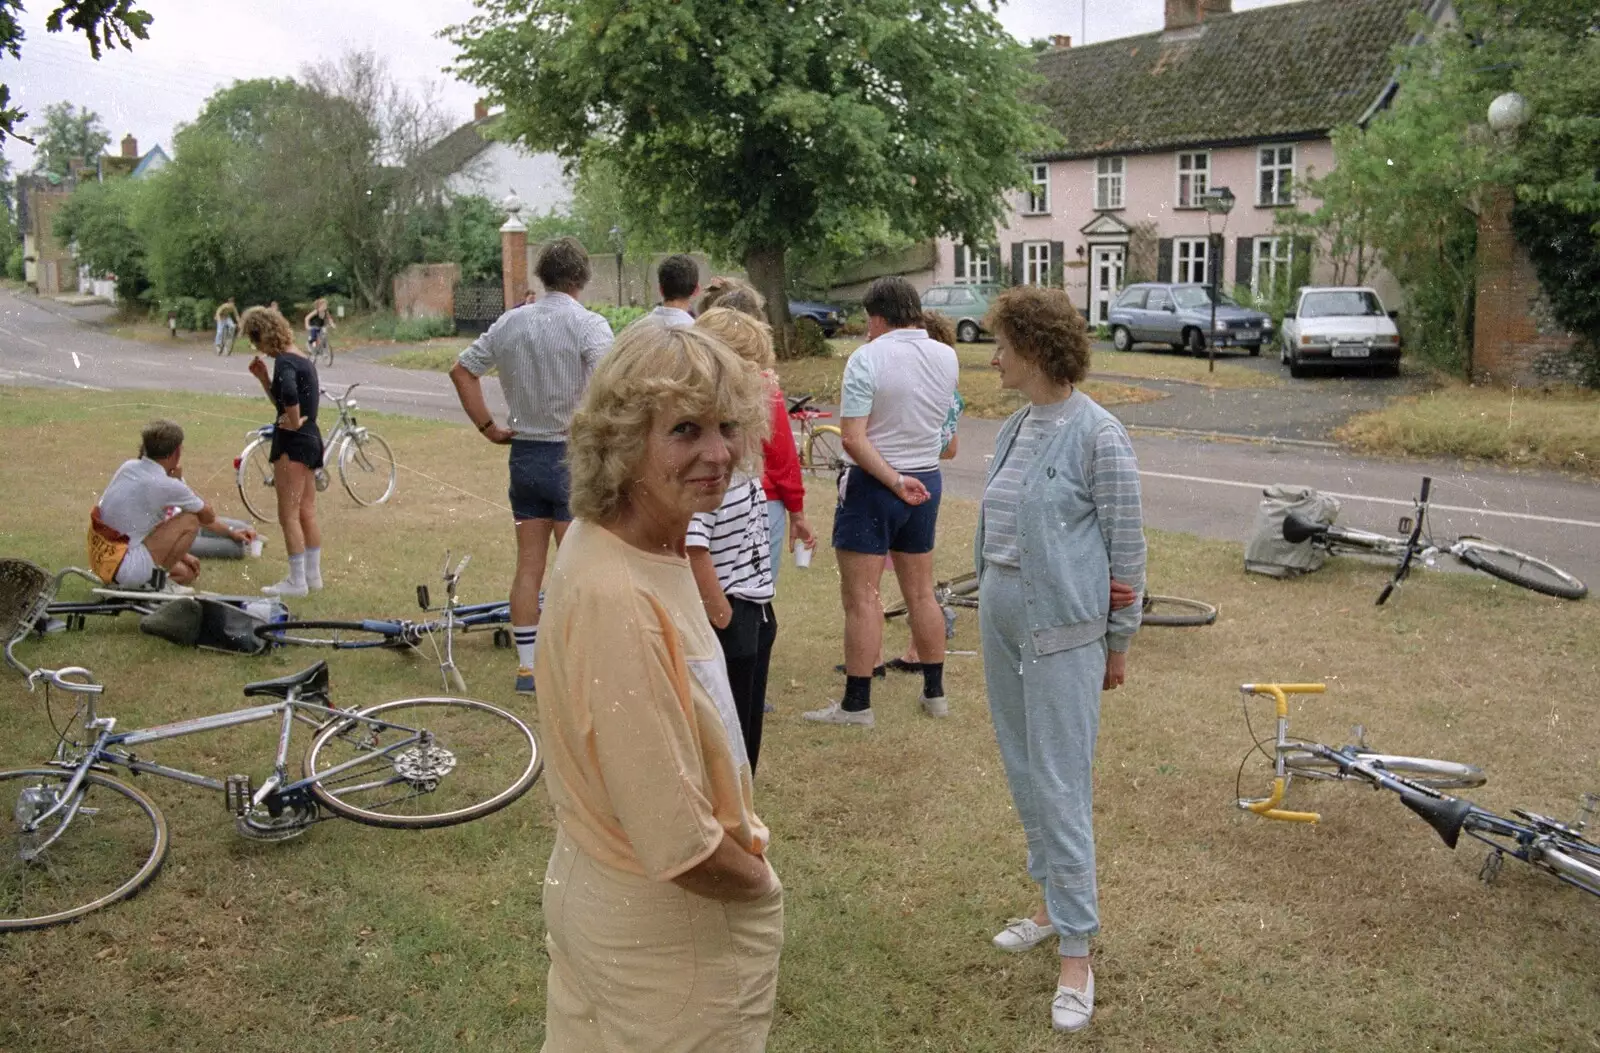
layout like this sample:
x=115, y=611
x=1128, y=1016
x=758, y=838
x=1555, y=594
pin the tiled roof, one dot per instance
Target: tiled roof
x=456, y=150
x=1288, y=69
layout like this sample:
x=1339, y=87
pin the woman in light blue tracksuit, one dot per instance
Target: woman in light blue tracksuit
x=1060, y=523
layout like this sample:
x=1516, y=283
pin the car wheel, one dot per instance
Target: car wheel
x=1295, y=368
x=967, y=332
x=1121, y=339
x=1255, y=350
x=1194, y=341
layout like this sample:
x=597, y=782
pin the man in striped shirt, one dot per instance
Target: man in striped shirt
x=545, y=353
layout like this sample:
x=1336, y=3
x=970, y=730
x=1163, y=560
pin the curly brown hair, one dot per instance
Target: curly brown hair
x=734, y=293
x=1043, y=327
x=563, y=266
x=267, y=330
x=939, y=327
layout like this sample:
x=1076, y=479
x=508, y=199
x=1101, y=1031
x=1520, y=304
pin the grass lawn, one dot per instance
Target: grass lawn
x=898, y=847
x=1171, y=365
x=1536, y=429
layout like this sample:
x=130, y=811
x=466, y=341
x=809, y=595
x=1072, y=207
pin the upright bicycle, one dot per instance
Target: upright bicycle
x=320, y=350
x=821, y=445
x=1415, y=544
x=74, y=839
x=1546, y=844
x=364, y=461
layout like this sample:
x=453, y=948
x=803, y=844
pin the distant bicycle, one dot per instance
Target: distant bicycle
x=320, y=350
x=225, y=341
x=821, y=445
x=364, y=461
x=1169, y=611
x=1415, y=544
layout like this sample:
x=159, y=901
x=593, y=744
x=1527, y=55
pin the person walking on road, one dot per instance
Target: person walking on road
x=896, y=396
x=545, y=353
x=1060, y=532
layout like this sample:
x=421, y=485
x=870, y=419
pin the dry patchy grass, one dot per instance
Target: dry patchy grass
x=899, y=849
x=1168, y=365
x=1538, y=429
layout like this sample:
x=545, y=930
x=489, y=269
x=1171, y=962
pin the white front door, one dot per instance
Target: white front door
x=1105, y=280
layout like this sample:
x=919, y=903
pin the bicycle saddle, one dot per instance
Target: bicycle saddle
x=312, y=680
x=1296, y=530
x=1444, y=814
x=798, y=404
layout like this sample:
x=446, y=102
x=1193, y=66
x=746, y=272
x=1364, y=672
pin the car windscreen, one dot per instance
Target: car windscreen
x=1344, y=303
x=1198, y=296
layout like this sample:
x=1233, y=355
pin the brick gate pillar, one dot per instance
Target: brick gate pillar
x=513, y=254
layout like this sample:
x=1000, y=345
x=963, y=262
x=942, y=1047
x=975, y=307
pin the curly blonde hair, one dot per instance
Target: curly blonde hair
x=1043, y=327
x=649, y=372
x=266, y=329
x=735, y=293
x=750, y=338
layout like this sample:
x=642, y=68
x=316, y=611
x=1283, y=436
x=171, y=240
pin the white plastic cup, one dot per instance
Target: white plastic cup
x=254, y=548
x=802, y=555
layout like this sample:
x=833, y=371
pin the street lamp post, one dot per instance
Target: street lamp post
x=616, y=244
x=1218, y=201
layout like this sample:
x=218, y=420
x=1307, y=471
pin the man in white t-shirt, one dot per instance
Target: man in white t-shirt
x=897, y=392
x=678, y=278
x=133, y=530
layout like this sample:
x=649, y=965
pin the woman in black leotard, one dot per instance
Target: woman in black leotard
x=296, y=445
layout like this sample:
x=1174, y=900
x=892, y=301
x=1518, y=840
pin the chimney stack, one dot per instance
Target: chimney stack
x=130, y=146
x=1182, y=14
x=1060, y=42
x=480, y=110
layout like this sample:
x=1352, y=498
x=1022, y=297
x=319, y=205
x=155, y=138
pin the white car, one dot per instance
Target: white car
x=1339, y=326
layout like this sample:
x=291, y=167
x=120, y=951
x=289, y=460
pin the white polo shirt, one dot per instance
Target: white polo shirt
x=904, y=384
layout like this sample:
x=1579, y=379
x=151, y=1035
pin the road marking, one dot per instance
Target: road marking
x=19, y=336
x=49, y=379
x=1432, y=505
x=75, y=363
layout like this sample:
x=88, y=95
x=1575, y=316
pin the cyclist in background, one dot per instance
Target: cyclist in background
x=318, y=320
x=227, y=319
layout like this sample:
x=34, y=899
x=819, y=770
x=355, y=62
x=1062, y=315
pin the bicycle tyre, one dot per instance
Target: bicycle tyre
x=452, y=746
x=369, y=458
x=824, y=450
x=1520, y=568
x=960, y=591
x=342, y=636
x=1434, y=774
x=84, y=837
x=1176, y=611
x=254, y=479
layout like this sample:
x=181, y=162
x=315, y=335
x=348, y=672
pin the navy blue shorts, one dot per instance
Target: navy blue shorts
x=539, y=482
x=871, y=519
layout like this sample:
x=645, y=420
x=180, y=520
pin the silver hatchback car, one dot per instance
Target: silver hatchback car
x=1180, y=316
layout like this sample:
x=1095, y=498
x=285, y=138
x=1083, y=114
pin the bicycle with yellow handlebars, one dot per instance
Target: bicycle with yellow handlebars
x=1546, y=844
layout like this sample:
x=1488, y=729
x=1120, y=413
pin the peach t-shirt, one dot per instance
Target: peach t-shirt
x=646, y=765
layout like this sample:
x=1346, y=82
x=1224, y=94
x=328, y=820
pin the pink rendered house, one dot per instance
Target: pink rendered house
x=1149, y=123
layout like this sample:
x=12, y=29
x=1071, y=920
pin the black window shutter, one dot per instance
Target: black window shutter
x=1164, y=260
x=960, y=252
x=1016, y=263
x=1244, y=261
x=1058, y=260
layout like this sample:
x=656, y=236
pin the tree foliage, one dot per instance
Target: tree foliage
x=748, y=129
x=67, y=133
x=464, y=230
x=106, y=24
x=99, y=217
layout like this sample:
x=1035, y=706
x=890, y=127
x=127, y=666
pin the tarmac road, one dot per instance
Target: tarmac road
x=1191, y=483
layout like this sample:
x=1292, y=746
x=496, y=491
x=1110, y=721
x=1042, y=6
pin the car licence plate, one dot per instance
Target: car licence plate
x=1351, y=351
x=1247, y=334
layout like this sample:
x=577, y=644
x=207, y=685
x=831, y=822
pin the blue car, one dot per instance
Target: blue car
x=830, y=318
x=1180, y=316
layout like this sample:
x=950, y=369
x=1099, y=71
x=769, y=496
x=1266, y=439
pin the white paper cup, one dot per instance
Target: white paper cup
x=802, y=555
x=254, y=548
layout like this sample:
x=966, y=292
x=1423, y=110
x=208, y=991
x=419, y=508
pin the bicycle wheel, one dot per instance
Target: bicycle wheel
x=344, y=636
x=1176, y=611
x=110, y=849
x=824, y=450
x=960, y=591
x=472, y=759
x=1519, y=568
x=367, y=468
x=254, y=480
x=1435, y=774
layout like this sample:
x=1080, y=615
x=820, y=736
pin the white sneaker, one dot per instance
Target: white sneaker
x=313, y=582
x=935, y=707
x=1022, y=934
x=285, y=588
x=1070, y=1010
x=836, y=714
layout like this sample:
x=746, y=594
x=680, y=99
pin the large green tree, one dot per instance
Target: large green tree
x=67, y=133
x=98, y=219
x=751, y=127
x=105, y=24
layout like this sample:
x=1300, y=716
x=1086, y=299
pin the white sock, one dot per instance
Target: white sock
x=314, y=567
x=297, y=570
x=526, y=638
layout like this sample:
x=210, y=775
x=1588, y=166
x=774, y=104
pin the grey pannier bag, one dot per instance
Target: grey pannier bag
x=1268, y=552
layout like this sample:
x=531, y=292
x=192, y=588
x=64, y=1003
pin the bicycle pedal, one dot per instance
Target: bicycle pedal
x=237, y=790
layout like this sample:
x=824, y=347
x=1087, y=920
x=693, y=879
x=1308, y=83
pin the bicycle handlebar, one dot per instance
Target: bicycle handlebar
x=1267, y=807
x=1404, y=569
x=58, y=678
x=1281, y=692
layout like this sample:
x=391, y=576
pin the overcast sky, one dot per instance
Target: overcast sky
x=198, y=46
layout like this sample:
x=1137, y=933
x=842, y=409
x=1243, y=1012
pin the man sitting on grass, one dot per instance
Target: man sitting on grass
x=130, y=531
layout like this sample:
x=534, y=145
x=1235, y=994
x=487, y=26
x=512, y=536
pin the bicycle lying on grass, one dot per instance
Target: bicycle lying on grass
x=366, y=465
x=109, y=601
x=74, y=839
x=821, y=445
x=402, y=634
x=1555, y=847
x=1174, y=611
x=1415, y=544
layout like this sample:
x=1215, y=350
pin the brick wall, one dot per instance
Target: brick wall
x=426, y=290
x=1515, y=338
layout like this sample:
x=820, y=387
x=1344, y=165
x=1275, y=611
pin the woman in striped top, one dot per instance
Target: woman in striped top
x=1060, y=520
